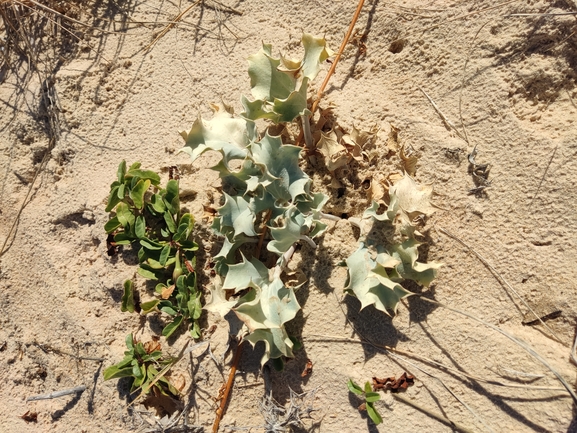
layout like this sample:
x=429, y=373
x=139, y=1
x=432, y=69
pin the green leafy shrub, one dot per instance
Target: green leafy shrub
x=150, y=217
x=143, y=362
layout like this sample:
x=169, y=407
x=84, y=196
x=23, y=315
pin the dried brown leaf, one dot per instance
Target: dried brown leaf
x=308, y=368
x=409, y=159
x=393, y=140
x=166, y=292
x=152, y=346
x=335, y=153
x=30, y=416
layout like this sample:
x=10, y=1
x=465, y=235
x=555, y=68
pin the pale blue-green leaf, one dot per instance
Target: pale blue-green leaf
x=223, y=134
x=281, y=162
x=236, y=213
x=258, y=109
x=316, y=52
x=272, y=307
x=289, y=232
x=293, y=106
x=266, y=81
x=407, y=253
x=277, y=343
x=246, y=274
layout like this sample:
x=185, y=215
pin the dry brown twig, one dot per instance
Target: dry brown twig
x=338, y=56
x=171, y=25
x=57, y=394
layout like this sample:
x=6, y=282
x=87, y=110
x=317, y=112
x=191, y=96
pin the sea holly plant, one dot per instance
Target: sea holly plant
x=279, y=85
x=150, y=217
x=370, y=398
x=388, y=251
x=266, y=195
x=143, y=362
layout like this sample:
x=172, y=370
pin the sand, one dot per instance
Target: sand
x=512, y=81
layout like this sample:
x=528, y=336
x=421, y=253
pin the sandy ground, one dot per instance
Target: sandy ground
x=517, y=98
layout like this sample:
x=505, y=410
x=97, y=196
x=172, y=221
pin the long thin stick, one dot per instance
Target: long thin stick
x=432, y=414
x=501, y=280
x=56, y=394
x=448, y=123
x=544, y=174
x=449, y=390
x=463, y=83
x=171, y=25
x=541, y=15
x=338, y=57
x=518, y=342
x=229, y=383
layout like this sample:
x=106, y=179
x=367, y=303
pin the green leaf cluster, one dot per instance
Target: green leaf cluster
x=150, y=217
x=279, y=85
x=143, y=366
x=268, y=184
x=265, y=185
x=370, y=399
x=375, y=271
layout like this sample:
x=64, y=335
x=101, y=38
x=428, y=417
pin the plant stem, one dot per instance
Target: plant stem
x=330, y=217
x=229, y=383
x=305, y=119
x=338, y=56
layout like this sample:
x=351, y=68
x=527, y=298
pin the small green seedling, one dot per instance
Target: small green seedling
x=370, y=398
x=150, y=217
x=143, y=362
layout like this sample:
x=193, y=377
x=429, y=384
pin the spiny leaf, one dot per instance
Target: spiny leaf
x=277, y=343
x=407, y=254
x=223, y=133
x=335, y=154
x=281, y=163
x=266, y=81
x=245, y=274
x=273, y=306
x=236, y=215
x=370, y=287
x=288, y=233
x=294, y=105
x=316, y=52
x=412, y=198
